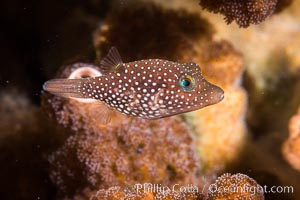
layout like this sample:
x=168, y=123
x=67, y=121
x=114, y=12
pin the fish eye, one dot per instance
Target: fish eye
x=186, y=82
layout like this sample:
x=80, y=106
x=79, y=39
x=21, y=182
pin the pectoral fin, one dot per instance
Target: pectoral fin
x=105, y=115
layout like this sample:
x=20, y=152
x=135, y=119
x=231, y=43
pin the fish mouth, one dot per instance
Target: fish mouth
x=221, y=92
x=222, y=97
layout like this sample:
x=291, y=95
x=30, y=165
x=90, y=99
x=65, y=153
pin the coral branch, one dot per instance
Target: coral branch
x=244, y=12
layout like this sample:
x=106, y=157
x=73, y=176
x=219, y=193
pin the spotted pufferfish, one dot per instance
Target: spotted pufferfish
x=149, y=89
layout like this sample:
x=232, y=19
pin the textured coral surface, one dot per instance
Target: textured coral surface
x=226, y=187
x=236, y=186
x=144, y=152
x=245, y=12
x=115, y=193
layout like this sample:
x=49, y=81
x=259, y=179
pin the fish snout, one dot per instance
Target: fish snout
x=217, y=94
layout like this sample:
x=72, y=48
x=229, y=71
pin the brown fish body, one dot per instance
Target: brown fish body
x=149, y=89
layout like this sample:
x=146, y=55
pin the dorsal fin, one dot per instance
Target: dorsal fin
x=112, y=60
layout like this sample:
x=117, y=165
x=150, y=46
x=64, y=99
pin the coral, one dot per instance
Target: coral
x=132, y=151
x=244, y=12
x=236, y=186
x=222, y=64
x=131, y=154
x=188, y=38
x=115, y=193
x=291, y=147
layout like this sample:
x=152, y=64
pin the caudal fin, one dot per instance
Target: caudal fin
x=65, y=87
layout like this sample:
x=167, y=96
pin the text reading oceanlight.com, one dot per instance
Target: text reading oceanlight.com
x=212, y=188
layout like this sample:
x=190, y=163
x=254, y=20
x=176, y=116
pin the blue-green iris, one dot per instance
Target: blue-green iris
x=186, y=82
